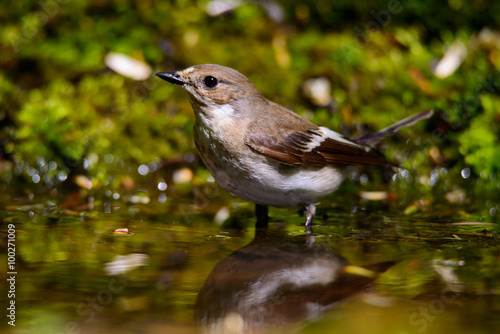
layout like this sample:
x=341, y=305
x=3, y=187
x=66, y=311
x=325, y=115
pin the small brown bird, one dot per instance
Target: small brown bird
x=276, y=281
x=263, y=152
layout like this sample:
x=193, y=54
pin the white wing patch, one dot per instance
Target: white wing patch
x=316, y=140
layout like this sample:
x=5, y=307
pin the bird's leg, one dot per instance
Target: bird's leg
x=309, y=211
x=261, y=212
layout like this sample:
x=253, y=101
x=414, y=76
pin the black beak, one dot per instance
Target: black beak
x=171, y=77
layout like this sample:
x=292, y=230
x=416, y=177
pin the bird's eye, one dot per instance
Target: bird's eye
x=210, y=81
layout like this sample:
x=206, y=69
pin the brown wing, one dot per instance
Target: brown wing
x=308, y=148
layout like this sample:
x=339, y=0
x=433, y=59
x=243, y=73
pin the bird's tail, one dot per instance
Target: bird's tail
x=374, y=138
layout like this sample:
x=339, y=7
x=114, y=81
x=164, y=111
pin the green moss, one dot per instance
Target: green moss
x=59, y=102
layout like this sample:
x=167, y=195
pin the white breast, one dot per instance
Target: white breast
x=252, y=176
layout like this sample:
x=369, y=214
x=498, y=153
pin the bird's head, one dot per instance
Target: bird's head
x=212, y=86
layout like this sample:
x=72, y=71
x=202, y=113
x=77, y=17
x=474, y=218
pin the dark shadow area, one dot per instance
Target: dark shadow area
x=278, y=280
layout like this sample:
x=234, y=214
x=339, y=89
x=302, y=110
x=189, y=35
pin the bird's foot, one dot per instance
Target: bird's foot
x=309, y=211
x=310, y=239
x=261, y=212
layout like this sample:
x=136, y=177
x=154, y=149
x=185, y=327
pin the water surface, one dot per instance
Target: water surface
x=184, y=267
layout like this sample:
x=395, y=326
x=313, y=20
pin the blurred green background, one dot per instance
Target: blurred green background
x=97, y=158
x=69, y=120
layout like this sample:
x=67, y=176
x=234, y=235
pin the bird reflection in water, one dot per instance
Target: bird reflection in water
x=277, y=281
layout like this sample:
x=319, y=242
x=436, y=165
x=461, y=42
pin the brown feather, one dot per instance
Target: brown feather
x=292, y=150
x=281, y=134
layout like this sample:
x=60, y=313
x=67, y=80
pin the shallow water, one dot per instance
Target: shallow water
x=186, y=267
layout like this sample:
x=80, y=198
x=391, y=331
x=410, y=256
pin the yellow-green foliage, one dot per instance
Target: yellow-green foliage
x=61, y=107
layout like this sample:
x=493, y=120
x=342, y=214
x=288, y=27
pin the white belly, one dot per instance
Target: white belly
x=286, y=187
x=253, y=177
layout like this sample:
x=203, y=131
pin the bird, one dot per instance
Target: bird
x=300, y=283
x=264, y=153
